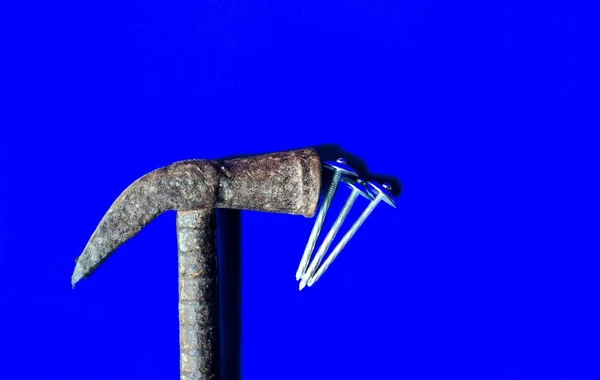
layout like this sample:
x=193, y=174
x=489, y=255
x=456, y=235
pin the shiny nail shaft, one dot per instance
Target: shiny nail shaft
x=345, y=239
x=330, y=236
x=314, y=235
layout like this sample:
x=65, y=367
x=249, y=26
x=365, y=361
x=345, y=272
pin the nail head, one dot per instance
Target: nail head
x=384, y=189
x=340, y=167
x=357, y=184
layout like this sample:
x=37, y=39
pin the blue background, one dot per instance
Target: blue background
x=487, y=269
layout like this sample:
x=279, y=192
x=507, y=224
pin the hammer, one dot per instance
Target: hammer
x=286, y=182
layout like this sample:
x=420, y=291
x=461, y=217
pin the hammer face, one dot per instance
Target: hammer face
x=285, y=182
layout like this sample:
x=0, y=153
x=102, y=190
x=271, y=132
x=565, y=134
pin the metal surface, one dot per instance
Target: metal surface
x=339, y=167
x=199, y=337
x=358, y=188
x=382, y=193
x=285, y=182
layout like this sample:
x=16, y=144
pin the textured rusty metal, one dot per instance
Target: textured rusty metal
x=285, y=182
x=199, y=337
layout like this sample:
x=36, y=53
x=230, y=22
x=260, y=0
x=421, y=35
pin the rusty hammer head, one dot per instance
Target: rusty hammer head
x=285, y=182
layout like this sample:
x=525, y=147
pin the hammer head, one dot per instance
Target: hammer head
x=285, y=182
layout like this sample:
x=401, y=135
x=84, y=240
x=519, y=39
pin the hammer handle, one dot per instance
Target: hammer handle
x=199, y=333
